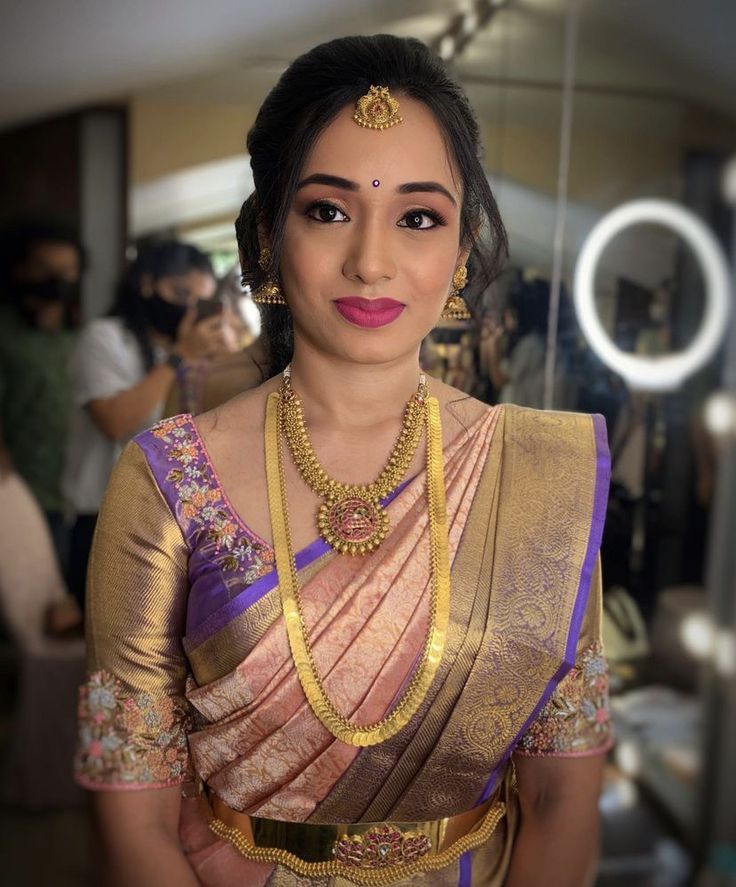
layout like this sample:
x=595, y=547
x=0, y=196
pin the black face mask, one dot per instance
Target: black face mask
x=53, y=290
x=164, y=316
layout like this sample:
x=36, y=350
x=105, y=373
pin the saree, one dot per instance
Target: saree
x=192, y=683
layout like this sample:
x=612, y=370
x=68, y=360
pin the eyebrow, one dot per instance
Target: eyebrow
x=432, y=187
x=320, y=178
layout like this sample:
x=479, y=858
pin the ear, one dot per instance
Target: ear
x=462, y=256
x=264, y=238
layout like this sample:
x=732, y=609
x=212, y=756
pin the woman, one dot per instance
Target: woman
x=205, y=384
x=438, y=672
x=123, y=368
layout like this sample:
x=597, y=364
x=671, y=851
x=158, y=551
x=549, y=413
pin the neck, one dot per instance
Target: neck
x=349, y=394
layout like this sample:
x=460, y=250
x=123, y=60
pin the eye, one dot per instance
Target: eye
x=420, y=220
x=326, y=213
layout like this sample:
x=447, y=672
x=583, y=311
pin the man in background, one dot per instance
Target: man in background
x=40, y=270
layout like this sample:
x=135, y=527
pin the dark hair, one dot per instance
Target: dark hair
x=309, y=95
x=157, y=259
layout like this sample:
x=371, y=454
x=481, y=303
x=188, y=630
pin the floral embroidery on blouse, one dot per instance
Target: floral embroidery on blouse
x=129, y=739
x=576, y=718
x=202, y=504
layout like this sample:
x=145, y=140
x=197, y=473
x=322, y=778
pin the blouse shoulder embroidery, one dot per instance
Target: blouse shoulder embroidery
x=190, y=485
x=576, y=719
x=130, y=740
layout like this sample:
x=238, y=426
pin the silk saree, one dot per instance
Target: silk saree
x=191, y=681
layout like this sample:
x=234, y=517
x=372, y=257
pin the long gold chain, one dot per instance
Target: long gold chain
x=351, y=519
x=301, y=649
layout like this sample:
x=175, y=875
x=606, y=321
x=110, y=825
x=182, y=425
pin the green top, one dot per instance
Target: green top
x=35, y=403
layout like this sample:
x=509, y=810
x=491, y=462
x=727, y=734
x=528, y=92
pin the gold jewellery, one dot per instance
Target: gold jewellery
x=351, y=519
x=301, y=650
x=377, y=109
x=455, y=307
x=269, y=293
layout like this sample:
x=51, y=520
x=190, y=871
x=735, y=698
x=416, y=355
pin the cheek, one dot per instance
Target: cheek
x=431, y=275
x=303, y=265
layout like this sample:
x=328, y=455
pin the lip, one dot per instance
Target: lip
x=370, y=313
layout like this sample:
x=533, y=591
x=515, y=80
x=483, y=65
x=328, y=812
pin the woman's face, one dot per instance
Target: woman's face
x=183, y=289
x=376, y=217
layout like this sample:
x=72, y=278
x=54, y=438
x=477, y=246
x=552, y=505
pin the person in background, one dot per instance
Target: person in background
x=123, y=368
x=514, y=351
x=41, y=267
x=205, y=384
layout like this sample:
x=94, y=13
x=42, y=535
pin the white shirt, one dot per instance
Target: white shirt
x=107, y=361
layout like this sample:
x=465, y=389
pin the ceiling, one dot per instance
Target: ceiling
x=58, y=56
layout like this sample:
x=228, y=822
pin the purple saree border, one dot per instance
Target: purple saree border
x=253, y=593
x=600, y=500
x=466, y=870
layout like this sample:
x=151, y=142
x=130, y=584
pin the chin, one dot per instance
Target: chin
x=375, y=346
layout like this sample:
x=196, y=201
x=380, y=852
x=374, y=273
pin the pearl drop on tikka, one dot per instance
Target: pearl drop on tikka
x=375, y=183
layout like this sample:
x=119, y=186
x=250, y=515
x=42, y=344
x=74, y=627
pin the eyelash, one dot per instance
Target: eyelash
x=436, y=218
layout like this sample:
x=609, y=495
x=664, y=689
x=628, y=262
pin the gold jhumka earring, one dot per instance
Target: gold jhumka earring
x=269, y=293
x=455, y=307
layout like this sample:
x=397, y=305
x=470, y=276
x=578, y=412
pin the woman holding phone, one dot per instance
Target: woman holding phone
x=122, y=370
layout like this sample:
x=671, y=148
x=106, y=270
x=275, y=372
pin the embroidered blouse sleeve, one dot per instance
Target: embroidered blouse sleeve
x=576, y=718
x=133, y=717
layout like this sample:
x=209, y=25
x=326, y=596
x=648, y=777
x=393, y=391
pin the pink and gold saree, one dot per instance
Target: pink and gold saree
x=191, y=680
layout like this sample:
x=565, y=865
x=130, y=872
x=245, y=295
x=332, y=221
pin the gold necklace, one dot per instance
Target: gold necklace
x=351, y=519
x=301, y=650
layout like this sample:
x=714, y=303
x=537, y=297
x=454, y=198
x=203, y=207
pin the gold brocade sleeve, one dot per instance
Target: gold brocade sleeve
x=133, y=718
x=576, y=719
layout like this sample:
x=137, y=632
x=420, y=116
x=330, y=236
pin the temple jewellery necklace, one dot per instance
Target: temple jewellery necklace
x=353, y=522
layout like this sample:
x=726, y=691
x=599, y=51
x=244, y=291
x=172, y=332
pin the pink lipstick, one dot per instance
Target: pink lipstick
x=369, y=312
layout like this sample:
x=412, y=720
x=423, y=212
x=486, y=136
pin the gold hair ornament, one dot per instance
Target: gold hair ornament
x=269, y=293
x=455, y=307
x=377, y=109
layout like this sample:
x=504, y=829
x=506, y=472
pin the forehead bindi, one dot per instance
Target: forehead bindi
x=413, y=150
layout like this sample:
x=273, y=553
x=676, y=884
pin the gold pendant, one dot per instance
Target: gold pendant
x=352, y=524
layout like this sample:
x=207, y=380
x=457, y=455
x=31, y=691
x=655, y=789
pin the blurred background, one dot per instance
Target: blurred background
x=122, y=168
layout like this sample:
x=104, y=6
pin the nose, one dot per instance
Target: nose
x=369, y=259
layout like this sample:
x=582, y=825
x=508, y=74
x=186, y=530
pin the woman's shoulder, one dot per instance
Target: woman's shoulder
x=545, y=432
x=241, y=415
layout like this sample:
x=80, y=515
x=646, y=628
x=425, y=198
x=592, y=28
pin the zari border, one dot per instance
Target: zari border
x=595, y=535
x=362, y=877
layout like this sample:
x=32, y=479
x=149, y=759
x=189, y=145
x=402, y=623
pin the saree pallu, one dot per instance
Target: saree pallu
x=192, y=680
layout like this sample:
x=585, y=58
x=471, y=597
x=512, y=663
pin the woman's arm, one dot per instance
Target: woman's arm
x=139, y=839
x=557, y=842
x=122, y=414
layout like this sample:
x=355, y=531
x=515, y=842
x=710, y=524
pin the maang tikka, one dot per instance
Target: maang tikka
x=269, y=293
x=377, y=109
x=455, y=307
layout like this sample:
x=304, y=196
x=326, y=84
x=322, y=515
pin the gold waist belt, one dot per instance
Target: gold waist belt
x=366, y=853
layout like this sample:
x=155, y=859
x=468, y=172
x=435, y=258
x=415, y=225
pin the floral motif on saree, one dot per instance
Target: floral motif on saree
x=201, y=505
x=576, y=719
x=130, y=739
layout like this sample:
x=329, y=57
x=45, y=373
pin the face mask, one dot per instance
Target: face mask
x=54, y=289
x=165, y=316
